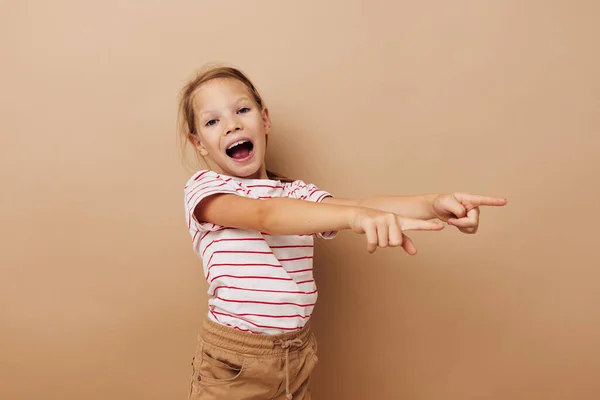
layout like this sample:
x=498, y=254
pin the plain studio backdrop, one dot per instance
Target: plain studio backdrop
x=101, y=295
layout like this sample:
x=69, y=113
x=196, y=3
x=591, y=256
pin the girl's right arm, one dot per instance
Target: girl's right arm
x=287, y=216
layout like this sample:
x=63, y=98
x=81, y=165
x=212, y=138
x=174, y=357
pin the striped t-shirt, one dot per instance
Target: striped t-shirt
x=257, y=282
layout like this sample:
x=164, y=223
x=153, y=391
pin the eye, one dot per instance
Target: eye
x=211, y=122
x=243, y=110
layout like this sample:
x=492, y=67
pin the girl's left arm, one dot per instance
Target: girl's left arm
x=419, y=206
x=458, y=209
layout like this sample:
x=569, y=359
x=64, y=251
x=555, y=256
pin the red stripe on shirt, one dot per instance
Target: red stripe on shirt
x=261, y=290
x=268, y=234
x=253, y=277
x=292, y=247
x=292, y=192
x=321, y=197
x=244, y=265
x=295, y=258
x=258, y=325
x=239, y=265
x=201, y=175
x=264, y=315
x=204, y=235
x=299, y=270
x=266, y=186
x=283, y=303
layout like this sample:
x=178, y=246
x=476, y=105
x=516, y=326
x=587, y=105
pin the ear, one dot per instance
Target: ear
x=198, y=145
x=266, y=120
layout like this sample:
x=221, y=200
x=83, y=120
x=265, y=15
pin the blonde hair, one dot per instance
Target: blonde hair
x=187, y=115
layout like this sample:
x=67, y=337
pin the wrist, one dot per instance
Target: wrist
x=430, y=201
x=351, y=215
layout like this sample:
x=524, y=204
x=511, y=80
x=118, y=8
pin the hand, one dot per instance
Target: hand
x=385, y=229
x=462, y=209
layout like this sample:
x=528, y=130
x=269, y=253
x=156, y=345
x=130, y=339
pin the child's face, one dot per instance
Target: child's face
x=232, y=128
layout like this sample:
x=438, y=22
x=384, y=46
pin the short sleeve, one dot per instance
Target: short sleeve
x=308, y=191
x=200, y=186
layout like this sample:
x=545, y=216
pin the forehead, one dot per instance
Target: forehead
x=219, y=92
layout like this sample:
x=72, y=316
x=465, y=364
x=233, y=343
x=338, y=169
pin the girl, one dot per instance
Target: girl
x=254, y=232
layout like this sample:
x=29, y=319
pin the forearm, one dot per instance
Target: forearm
x=418, y=206
x=285, y=216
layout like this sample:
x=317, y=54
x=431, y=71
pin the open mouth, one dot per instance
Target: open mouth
x=240, y=150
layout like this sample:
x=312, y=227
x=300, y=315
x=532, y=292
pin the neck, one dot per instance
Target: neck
x=260, y=174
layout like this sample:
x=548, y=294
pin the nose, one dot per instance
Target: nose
x=233, y=125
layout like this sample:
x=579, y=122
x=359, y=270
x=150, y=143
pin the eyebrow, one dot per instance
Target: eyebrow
x=238, y=101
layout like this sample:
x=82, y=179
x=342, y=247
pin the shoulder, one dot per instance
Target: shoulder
x=205, y=175
x=207, y=178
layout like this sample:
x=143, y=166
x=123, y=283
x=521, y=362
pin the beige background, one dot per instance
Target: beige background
x=101, y=295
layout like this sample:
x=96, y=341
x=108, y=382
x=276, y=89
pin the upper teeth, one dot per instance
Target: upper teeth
x=236, y=143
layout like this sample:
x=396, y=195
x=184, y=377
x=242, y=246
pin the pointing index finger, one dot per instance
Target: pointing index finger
x=478, y=200
x=414, y=224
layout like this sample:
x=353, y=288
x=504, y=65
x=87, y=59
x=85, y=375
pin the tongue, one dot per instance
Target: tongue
x=240, y=152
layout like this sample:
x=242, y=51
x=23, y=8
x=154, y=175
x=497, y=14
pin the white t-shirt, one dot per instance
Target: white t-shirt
x=257, y=282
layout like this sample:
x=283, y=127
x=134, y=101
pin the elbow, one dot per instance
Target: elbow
x=270, y=217
x=264, y=217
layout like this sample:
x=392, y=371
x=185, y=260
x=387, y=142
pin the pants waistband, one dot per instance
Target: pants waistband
x=251, y=343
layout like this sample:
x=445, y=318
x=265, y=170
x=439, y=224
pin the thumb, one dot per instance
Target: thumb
x=413, y=224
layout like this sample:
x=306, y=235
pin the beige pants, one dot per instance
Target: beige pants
x=234, y=365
